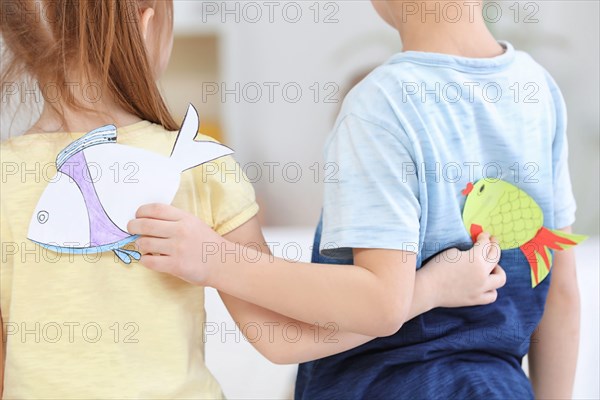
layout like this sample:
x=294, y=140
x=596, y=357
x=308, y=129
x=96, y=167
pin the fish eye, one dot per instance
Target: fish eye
x=42, y=217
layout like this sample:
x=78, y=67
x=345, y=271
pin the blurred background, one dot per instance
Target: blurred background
x=269, y=82
x=268, y=79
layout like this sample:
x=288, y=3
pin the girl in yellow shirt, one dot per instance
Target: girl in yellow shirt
x=91, y=327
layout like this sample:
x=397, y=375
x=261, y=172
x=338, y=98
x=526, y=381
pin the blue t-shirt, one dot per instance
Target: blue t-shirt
x=409, y=138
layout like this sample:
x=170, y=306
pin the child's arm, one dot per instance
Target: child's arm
x=554, y=346
x=284, y=340
x=372, y=298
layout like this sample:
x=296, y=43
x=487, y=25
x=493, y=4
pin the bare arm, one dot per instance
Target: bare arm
x=307, y=341
x=373, y=298
x=554, y=347
x=313, y=341
x=284, y=340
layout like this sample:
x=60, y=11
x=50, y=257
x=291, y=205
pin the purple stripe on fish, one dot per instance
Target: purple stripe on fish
x=102, y=229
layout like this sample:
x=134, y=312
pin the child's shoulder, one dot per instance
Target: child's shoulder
x=404, y=70
x=30, y=147
x=152, y=137
x=44, y=147
x=373, y=99
x=408, y=81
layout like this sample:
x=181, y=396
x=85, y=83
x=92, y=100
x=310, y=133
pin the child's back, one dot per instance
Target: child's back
x=89, y=326
x=408, y=140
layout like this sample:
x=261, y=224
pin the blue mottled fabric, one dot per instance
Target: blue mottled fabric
x=405, y=149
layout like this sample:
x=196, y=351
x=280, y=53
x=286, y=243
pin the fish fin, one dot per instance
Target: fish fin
x=537, y=251
x=529, y=250
x=187, y=152
x=132, y=253
x=543, y=264
x=102, y=135
x=533, y=272
x=568, y=239
x=540, y=262
x=475, y=231
x=123, y=256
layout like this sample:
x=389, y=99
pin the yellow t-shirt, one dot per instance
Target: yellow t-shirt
x=88, y=327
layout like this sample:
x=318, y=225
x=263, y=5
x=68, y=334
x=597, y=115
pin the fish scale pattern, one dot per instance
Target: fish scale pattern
x=514, y=220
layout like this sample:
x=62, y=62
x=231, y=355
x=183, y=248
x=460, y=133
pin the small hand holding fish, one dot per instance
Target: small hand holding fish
x=467, y=278
x=176, y=242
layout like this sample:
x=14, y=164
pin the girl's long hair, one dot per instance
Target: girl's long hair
x=100, y=39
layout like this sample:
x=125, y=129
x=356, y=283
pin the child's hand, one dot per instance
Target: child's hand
x=467, y=278
x=175, y=242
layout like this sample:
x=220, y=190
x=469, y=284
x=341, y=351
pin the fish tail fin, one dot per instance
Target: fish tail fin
x=127, y=255
x=123, y=256
x=566, y=240
x=537, y=251
x=187, y=152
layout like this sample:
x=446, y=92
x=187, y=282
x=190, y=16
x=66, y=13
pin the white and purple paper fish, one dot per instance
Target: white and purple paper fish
x=100, y=184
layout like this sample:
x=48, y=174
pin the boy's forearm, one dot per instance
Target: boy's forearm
x=336, y=291
x=284, y=340
x=554, y=347
x=352, y=297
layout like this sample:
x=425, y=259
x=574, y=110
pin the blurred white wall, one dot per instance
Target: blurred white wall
x=301, y=55
x=561, y=35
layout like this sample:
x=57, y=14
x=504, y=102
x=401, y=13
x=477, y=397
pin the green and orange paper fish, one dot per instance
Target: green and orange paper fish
x=516, y=221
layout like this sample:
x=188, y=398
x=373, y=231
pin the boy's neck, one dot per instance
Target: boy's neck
x=455, y=42
x=467, y=36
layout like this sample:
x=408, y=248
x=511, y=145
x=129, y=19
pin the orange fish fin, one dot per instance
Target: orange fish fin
x=544, y=264
x=537, y=251
x=475, y=231
x=567, y=240
x=529, y=250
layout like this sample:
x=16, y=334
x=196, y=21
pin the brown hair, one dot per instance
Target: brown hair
x=101, y=39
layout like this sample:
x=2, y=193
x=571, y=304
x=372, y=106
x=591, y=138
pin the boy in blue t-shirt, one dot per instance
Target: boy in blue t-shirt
x=412, y=140
x=454, y=107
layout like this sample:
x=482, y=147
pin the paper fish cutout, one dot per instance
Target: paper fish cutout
x=515, y=220
x=100, y=184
